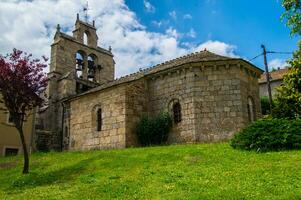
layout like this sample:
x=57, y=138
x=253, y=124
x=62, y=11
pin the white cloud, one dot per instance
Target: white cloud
x=173, y=14
x=160, y=23
x=148, y=6
x=33, y=27
x=157, y=23
x=187, y=16
x=277, y=63
x=218, y=47
x=172, y=32
x=191, y=33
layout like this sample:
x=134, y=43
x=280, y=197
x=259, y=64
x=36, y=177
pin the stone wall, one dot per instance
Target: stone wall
x=249, y=89
x=83, y=132
x=168, y=87
x=218, y=101
x=221, y=91
x=213, y=99
x=136, y=106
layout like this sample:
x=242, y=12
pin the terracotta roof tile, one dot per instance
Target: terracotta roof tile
x=275, y=75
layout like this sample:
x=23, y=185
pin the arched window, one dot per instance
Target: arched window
x=251, y=109
x=176, y=109
x=85, y=38
x=79, y=64
x=99, y=119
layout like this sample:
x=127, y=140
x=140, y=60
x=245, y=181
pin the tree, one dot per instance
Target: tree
x=22, y=81
x=288, y=96
x=292, y=15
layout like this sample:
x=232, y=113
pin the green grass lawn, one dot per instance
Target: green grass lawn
x=203, y=171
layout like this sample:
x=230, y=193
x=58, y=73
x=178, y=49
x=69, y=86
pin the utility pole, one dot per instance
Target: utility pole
x=267, y=76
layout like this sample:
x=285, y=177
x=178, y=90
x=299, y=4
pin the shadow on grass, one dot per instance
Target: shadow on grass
x=62, y=175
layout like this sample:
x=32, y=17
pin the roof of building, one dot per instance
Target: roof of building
x=202, y=56
x=274, y=75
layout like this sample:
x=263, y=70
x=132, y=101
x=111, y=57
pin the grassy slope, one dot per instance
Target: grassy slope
x=205, y=171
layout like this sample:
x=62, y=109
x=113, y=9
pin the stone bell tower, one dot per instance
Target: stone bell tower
x=77, y=65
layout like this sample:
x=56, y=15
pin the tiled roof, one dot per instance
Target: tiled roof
x=274, y=75
x=201, y=56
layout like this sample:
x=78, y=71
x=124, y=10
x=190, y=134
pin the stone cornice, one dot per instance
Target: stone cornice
x=68, y=37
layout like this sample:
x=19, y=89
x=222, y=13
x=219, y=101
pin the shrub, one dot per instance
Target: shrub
x=269, y=135
x=154, y=130
x=265, y=105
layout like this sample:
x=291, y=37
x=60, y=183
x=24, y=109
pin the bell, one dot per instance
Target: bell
x=90, y=64
x=79, y=64
x=91, y=73
x=79, y=61
x=79, y=67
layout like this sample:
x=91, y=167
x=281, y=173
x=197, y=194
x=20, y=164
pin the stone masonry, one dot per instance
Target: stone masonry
x=217, y=96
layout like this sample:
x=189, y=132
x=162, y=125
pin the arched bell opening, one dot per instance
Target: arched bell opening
x=91, y=69
x=79, y=67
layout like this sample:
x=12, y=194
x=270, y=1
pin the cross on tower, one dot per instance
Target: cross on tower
x=86, y=9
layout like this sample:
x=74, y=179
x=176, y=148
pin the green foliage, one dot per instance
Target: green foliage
x=269, y=134
x=288, y=96
x=265, y=105
x=195, y=171
x=292, y=15
x=154, y=131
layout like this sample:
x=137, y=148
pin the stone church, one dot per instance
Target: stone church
x=209, y=97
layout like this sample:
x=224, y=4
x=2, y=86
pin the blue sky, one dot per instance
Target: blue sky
x=245, y=24
x=143, y=33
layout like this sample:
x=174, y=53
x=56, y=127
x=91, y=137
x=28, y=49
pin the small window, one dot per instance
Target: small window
x=11, y=151
x=177, y=117
x=99, y=119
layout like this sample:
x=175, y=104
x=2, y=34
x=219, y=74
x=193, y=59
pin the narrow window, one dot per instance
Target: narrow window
x=251, y=109
x=99, y=119
x=66, y=131
x=85, y=38
x=176, y=112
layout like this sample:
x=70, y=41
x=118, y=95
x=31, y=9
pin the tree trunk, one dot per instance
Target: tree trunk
x=25, y=152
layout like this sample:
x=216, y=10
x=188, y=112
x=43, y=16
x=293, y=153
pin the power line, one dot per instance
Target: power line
x=277, y=52
x=256, y=57
x=274, y=52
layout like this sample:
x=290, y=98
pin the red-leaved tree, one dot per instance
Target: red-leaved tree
x=22, y=81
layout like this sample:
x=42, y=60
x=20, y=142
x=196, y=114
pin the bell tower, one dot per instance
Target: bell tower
x=85, y=33
x=77, y=65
